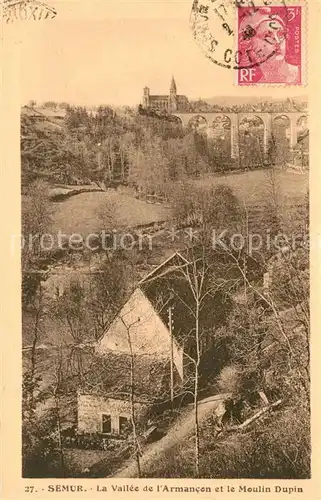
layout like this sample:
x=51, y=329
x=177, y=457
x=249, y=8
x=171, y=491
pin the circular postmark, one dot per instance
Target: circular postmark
x=25, y=10
x=238, y=34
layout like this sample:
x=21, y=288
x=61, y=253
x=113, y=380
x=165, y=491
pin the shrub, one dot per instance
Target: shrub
x=214, y=205
x=229, y=379
x=277, y=447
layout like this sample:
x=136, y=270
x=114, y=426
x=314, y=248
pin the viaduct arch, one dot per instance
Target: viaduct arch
x=236, y=119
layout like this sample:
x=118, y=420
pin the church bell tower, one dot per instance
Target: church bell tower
x=172, y=105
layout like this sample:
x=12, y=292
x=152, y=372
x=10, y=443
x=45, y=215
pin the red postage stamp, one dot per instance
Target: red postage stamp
x=269, y=45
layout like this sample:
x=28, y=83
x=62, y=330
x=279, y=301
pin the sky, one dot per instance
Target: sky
x=105, y=52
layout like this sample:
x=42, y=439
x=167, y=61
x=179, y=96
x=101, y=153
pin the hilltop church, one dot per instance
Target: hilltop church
x=171, y=102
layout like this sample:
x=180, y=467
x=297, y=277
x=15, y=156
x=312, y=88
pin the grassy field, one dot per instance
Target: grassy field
x=252, y=187
x=83, y=213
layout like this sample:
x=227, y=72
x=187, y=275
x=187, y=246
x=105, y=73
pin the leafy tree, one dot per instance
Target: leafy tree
x=148, y=166
x=176, y=155
x=212, y=208
x=50, y=105
x=36, y=222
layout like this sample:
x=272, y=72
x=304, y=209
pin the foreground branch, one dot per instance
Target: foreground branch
x=256, y=416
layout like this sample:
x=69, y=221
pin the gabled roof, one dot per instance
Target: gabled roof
x=141, y=328
x=51, y=113
x=166, y=286
x=155, y=272
x=137, y=320
x=29, y=111
x=42, y=112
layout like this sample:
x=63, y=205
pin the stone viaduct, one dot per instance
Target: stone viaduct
x=235, y=120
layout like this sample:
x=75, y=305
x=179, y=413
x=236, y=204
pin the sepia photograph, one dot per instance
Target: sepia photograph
x=165, y=270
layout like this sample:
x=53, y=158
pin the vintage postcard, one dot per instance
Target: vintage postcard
x=160, y=176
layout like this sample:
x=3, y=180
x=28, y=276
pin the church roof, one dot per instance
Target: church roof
x=180, y=98
x=158, y=97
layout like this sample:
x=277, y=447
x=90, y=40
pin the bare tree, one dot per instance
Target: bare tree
x=268, y=298
x=124, y=144
x=109, y=155
x=132, y=391
x=36, y=221
x=108, y=286
x=197, y=274
x=57, y=387
x=272, y=209
x=70, y=310
x=199, y=278
x=36, y=331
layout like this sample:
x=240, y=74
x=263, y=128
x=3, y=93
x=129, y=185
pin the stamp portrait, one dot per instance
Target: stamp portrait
x=269, y=41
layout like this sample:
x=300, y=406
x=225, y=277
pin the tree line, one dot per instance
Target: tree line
x=147, y=150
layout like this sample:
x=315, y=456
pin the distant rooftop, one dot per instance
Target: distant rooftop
x=42, y=112
x=51, y=113
x=29, y=111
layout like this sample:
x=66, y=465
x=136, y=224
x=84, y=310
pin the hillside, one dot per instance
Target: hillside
x=241, y=454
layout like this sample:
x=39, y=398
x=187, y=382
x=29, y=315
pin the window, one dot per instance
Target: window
x=106, y=424
x=123, y=424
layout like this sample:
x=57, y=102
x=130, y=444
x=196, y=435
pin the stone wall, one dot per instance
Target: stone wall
x=91, y=408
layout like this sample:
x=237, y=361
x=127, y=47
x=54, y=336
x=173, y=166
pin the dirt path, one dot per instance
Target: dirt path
x=181, y=430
